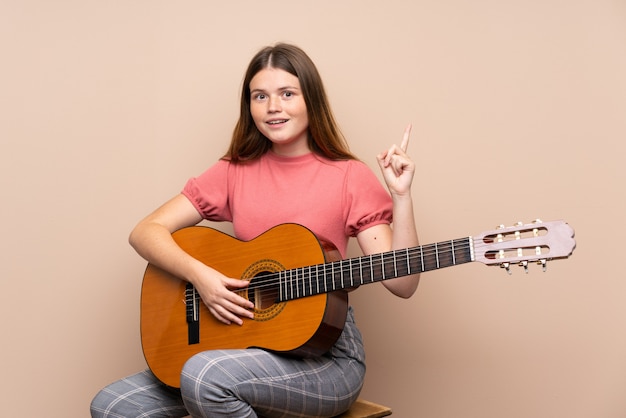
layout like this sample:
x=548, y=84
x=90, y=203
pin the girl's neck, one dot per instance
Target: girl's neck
x=295, y=149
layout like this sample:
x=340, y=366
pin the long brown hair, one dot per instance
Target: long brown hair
x=324, y=136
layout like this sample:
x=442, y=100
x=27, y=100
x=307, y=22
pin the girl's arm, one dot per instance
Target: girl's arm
x=152, y=239
x=398, y=170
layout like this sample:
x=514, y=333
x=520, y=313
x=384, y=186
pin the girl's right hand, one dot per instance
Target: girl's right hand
x=218, y=293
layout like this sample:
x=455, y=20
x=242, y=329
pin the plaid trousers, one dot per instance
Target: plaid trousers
x=245, y=384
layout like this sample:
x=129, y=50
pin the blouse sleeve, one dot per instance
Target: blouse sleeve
x=209, y=192
x=367, y=202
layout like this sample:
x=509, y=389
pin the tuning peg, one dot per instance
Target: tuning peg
x=507, y=267
x=525, y=265
x=543, y=263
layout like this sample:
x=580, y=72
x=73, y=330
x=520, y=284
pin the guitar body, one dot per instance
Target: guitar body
x=306, y=326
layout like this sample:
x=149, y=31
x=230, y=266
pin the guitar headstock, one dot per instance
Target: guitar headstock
x=525, y=243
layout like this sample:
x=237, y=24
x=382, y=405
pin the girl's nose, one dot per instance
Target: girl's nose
x=274, y=104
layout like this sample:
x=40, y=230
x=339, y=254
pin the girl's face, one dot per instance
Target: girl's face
x=279, y=112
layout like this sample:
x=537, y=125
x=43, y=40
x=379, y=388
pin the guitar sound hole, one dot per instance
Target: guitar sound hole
x=263, y=291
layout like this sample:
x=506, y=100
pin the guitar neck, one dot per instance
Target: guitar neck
x=323, y=278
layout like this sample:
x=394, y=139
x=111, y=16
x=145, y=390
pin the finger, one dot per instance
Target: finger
x=237, y=302
x=236, y=312
x=220, y=317
x=230, y=313
x=405, y=138
x=235, y=287
x=398, y=166
x=236, y=283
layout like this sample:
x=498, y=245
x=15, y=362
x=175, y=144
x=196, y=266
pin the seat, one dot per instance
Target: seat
x=366, y=409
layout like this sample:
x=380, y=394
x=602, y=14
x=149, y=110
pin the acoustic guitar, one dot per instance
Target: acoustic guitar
x=298, y=286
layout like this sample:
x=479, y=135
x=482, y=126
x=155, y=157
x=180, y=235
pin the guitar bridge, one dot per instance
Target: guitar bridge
x=192, y=301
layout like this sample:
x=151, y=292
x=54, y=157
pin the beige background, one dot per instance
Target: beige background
x=107, y=107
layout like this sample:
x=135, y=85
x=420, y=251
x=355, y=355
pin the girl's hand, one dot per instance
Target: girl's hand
x=397, y=168
x=218, y=294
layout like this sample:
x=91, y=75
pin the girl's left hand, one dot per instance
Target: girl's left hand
x=397, y=168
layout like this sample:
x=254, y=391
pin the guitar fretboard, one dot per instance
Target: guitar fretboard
x=323, y=278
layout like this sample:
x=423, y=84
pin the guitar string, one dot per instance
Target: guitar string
x=302, y=275
x=301, y=278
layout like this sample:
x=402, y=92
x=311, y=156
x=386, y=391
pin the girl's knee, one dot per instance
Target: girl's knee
x=99, y=406
x=207, y=384
x=194, y=375
x=206, y=368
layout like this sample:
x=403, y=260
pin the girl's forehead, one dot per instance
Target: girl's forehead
x=271, y=77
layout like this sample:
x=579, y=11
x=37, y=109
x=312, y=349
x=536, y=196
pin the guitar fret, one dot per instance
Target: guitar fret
x=408, y=262
x=297, y=283
x=351, y=275
x=302, y=277
x=325, y=281
x=437, y=255
x=302, y=280
x=453, y=250
x=317, y=277
x=341, y=272
x=395, y=265
x=306, y=281
x=361, y=270
x=422, y=257
x=382, y=265
x=289, y=285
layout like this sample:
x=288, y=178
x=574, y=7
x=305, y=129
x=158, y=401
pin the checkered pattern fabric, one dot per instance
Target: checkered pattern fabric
x=245, y=383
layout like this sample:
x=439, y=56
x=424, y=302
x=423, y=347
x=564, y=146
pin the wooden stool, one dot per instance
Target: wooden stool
x=366, y=409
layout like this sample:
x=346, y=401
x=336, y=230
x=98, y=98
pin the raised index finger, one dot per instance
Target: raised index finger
x=405, y=138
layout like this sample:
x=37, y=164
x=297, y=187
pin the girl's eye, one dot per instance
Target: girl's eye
x=260, y=96
x=288, y=94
